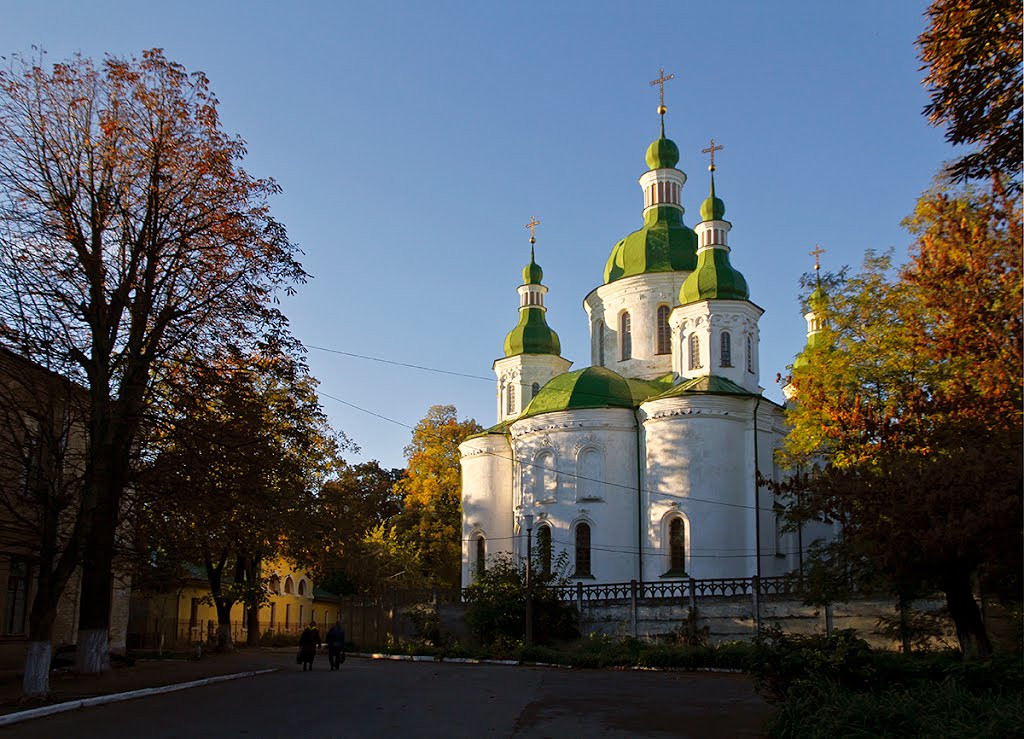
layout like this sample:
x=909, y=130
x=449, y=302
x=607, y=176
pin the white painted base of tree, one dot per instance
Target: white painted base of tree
x=93, y=654
x=36, y=681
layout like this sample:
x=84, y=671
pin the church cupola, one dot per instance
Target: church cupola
x=532, y=349
x=815, y=316
x=664, y=243
x=714, y=330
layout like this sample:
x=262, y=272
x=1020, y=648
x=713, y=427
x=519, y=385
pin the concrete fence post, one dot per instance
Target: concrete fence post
x=633, y=607
x=828, y=619
x=693, y=608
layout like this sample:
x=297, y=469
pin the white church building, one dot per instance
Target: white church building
x=643, y=465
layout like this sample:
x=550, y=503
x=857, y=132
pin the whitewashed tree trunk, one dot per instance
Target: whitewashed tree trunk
x=36, y=682
x=93, y=654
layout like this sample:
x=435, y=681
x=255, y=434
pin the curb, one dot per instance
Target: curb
x=475, y=661
x=99, y=700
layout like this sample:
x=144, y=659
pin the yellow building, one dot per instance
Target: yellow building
x=187, y=615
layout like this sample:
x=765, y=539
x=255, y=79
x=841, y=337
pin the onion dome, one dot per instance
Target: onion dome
x=532, y=335
x=712, y=209
x=662, y=153
x=592, y=387
x=663, y=244
x=714, y=279
x=532, y=273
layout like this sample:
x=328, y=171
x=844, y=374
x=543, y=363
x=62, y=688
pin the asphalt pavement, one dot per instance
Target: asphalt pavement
x=370, y=698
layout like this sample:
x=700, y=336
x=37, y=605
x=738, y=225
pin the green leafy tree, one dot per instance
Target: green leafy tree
x=913, y=401
x=235, y=467
x=430, y=525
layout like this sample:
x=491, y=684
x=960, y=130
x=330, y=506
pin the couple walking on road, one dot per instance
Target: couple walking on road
x=309, y=642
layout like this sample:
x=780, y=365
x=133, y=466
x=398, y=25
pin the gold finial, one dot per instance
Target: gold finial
x=532, y=225
x=818, y=251
x=711, y=150
x=662, y=79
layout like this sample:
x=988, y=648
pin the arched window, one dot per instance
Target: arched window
x=664, y=330
x=676, y=546
x=694, y=351
x=289, y=586
x=302, y=587
x=545, y=477
x=582, y=550
x=544, y=548
x=599, y=332
x=750, y=357
x=726, y=350
x=480, y=561
x=511, y=406
x=275, y=584
x=534, y=390
x=589, y=474
x=626, y=336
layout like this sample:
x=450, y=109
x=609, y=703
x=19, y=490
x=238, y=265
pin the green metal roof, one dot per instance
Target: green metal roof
x=532, y=335
x=706, y=385
x=592, y=387
x=532, y=273
x=663, y=244
x=662, y=153
x=713, y=208
x=714, y=279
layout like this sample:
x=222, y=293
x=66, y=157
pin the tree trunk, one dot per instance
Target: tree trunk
x=252, y=613
x=36, y=681
x=93, y=654
x=963, y=609
x=903, y=607
x=224, y=641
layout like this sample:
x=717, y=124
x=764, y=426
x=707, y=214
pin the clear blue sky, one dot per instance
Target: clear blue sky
x=414, y=141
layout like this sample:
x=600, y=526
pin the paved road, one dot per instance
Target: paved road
x=417, y=699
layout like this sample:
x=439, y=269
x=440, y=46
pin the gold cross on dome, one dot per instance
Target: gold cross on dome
x=662, y=79
x=818, y=251
x=711, y=150
x=532, y=225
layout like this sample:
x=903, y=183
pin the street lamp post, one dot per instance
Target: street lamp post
x=528, y=522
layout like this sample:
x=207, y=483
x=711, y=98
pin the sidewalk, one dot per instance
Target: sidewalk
x=145, y=673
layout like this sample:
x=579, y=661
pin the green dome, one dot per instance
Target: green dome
x=664, y=244
x=662, y=153
x=712, y=209
x=532, y=273
x=818, y=301
x=532, y=335
x=714, y=279
x=593, y=387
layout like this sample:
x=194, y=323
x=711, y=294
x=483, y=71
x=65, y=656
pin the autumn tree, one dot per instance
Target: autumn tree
x=430, y=526
x=237, y=462
x=972, y=53
x=913, y=402
x=128, y=233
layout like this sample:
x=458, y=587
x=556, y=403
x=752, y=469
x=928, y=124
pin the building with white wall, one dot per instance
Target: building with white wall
x=642, y=465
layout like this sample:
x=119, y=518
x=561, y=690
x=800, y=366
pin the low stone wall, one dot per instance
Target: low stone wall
x=730, y=618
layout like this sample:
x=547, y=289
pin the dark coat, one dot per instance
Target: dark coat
x=309, y=641
x=336, y=637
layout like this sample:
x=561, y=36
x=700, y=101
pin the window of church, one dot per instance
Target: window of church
x=302, y=587
x=545, y=477
x=544, y=548
x=726, y=350
x=480, y=561
x=750, y=356
x=289, y=586
x=626, y=335
x=694, y=351
x=534, y=389
x=582, y=550
x=589, y=474
x=511, y=406
x=676, y=547
x=664, y=330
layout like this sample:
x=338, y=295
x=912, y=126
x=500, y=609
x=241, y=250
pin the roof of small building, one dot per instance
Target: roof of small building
x=592, y=387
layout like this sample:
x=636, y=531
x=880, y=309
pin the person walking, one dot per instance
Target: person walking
x=309, y=642
x=336, y=645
